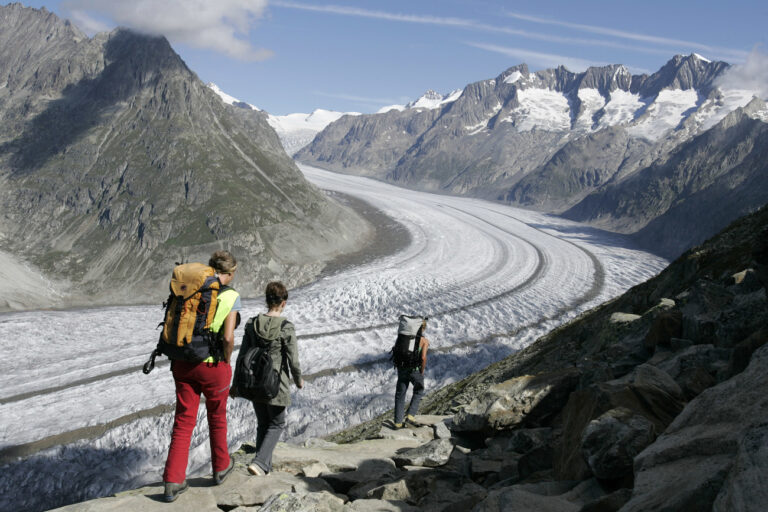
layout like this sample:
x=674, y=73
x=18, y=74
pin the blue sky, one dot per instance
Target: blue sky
x=359, y=55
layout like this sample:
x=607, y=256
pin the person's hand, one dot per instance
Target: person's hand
x=232, y=392
x=300, y=384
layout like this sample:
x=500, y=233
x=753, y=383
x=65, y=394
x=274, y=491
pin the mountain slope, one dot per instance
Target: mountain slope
x=548, y=140
x=116, y=161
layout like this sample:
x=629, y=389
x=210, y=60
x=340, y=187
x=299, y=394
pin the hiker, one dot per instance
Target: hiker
x=274, y=331
x=410, y=364
x=209, y=377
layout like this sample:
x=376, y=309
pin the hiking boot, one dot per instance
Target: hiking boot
x=398, y=426
x=220, y=476
x=173, y=490
x=410, y=418
x=254, y=469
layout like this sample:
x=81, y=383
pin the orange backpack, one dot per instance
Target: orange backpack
x=189, y=313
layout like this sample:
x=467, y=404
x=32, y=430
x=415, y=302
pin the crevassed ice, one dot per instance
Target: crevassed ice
x=712, y=112
x=542, y=108
x=665, y=113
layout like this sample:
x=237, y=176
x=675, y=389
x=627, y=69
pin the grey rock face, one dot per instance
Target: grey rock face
x=611, y=442
x=508, y=404
x=116, y=161
x=434, y=453
x=688, y=466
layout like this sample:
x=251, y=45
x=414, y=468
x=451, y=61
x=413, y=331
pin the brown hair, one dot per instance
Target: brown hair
x=276, y=293
x=223, y=262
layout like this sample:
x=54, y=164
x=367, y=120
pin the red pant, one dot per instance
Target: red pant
x=192, y=379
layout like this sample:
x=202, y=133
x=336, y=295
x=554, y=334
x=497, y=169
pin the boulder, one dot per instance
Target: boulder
x=367, y=471
x=315, y=469
x=611, y=441
x=746, y=281
x=703, y=453
x=530, y=398
x=666, y=325
x=608, y=503
x=647, y=391
x=421, y=434
x=520, y=441
x=513, y=499
x=434, y=453
x=620, y=318
x=241, y=489
x=745, y=488
x=312, y=502
x=370, y=505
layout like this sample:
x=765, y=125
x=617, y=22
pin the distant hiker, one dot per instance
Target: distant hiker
x=271, y=334
x=409, y=355
x=209, y=375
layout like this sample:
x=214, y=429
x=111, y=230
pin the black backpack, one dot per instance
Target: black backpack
x=409, y=331
x=255, y=376
x=403, y=356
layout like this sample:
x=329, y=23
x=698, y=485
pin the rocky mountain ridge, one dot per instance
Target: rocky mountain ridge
x=116, y=161
x=551, y=139
x=656, y=400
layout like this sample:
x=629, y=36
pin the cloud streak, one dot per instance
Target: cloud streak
x=462, y=23
x=633, y=36
x=538, y=59
x=222, y=26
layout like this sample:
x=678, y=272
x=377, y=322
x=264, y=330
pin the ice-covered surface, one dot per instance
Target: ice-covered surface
x=228, y=99
x=298, y=130
x=665, y=113
x=491, y=277
x=544, y=109
x=591, y=103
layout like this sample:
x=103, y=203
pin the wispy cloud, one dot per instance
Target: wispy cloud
x=634, y=36
x=538, y=59
x=462, y=23
x=222, y=26
x=752, y=75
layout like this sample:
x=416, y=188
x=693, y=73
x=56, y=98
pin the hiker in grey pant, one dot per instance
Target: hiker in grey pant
x=415, y=376
x=283, y=349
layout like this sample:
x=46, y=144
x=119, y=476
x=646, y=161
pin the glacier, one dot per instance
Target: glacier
x=80, y=420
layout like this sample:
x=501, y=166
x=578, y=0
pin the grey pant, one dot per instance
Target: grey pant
x=271, y=422
x=404, y=379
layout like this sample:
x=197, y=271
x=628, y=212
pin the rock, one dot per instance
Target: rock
x=609, y=503
x=312, y=502
x=430, y=420
x=451, y=495
x=422, y=434
x=666, y=325
x=745, y=488
x=678, y=344
x=647, y=391
x=707, y=445
x=693, y=381
x=621, y=318
x=341, y=457
x=246, y=490
x=368, y=471
x=434, y=453
x=532, y=399
x=314, y=469
x=707, y=357
x=538, y=459
x=441, y=430
x=512, y=499
x=743, y=351
x=746, y=281
x=370, y=505
x=611, y=441
x=314, y=442
x=397, y=490
x=520, y=440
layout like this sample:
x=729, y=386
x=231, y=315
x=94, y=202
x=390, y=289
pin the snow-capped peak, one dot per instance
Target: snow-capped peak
x=700, y=57
x=429, y=100
x=229, y=100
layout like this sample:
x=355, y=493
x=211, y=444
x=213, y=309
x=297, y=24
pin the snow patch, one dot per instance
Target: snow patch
x=543, y=109
x=665, y=113
x=591, y=102
x=621, y=108
x=226, y=98
x=513, y=77
x=297, y=130
x=700, y=57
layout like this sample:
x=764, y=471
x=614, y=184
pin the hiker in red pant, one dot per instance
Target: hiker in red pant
x=209, y=377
